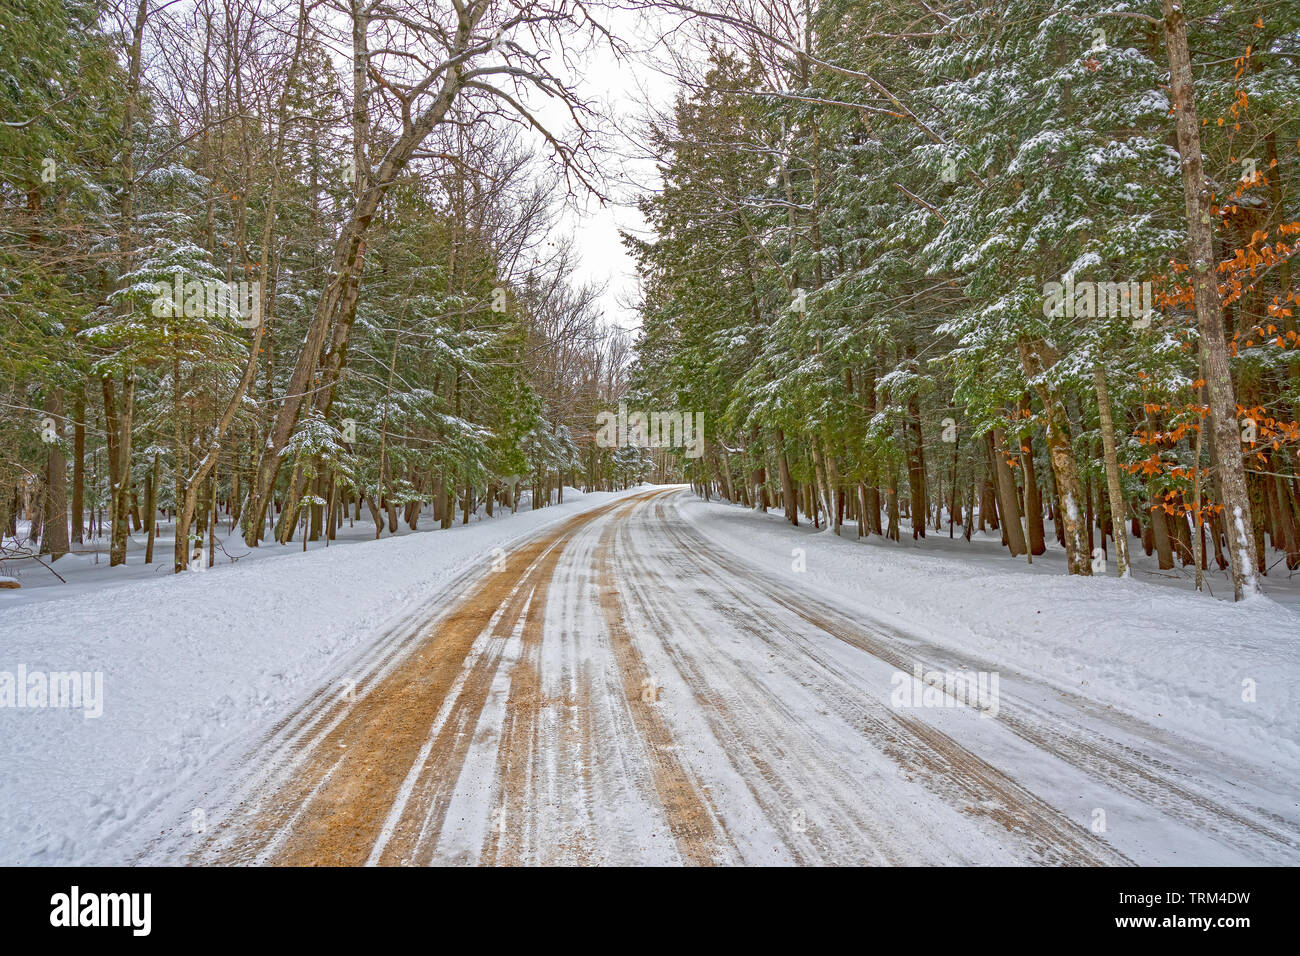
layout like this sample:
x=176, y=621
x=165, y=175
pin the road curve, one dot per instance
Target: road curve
x=617, y=690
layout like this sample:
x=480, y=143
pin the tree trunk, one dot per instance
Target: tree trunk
x=1209, y=314
x=119, y=499
x=788, y=497
x=1033, y=497
x=55, y=537
x=835, y=514
x=79, y=468
x=1113, y=487
x=151, y=509
x=1008, y=505
x=916, y=467
x=1037, y=357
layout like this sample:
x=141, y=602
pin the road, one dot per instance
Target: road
x=617, y=690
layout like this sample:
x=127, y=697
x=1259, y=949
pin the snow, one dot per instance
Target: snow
x=86, y=567
x=1174, y=658
x=196, y=667
x=191, y=662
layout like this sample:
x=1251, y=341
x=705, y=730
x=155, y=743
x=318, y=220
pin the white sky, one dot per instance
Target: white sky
x=625, y=89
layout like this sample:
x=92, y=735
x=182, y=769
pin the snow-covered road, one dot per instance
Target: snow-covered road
x=621, y=689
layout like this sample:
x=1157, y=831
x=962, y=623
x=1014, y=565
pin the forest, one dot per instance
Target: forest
x=936, y=268
x=265, y=263
x=918, y=267
x=610, y=433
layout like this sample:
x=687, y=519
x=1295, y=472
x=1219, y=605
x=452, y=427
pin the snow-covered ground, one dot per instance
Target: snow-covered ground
x=1149, y=646
x=774, y=738
x=192, y=661
x=86, y=567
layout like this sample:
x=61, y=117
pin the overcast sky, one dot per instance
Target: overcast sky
x=622, y=87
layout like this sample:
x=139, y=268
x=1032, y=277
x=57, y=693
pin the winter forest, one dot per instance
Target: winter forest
x=848, y=270
x=987, y=266
x=650, y=432
x=364, y=299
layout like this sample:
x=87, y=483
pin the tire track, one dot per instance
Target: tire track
x=1140, y=775
x=946, y=768
x=693, y=822
x=330, y=796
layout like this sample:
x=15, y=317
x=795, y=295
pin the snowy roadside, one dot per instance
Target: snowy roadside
x=1178, y=660
x=192, y=662
x=86, y=567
